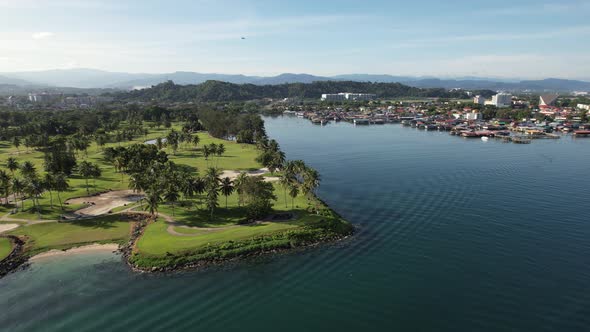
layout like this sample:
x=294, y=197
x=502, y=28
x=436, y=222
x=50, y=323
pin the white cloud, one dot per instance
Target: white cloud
x=42, y=35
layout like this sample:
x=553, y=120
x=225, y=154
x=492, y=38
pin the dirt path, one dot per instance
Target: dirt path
x=103, y=203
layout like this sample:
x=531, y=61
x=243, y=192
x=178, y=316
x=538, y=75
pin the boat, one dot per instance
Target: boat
x=485, y=138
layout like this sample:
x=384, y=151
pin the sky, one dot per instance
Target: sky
x=454, y=38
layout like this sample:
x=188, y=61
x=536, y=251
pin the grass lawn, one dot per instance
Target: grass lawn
x=156, y=241
x=5, y=247
x=47, y=236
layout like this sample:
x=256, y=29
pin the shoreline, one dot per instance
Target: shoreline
x=91, y=248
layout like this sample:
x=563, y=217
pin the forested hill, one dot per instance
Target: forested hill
x=212, y=91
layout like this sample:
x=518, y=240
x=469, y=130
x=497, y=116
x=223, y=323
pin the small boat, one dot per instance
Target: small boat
x=485, y=138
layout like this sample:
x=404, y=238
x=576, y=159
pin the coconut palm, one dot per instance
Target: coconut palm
x=196, y=140
x=17, y=188
x=171, y=195
x=293, y=192
x=86, y=170
x=60, y=185
x=206, y=153
x=227, y=188
x=28, y=170
x=239, y=183
x=311, y=180
x=5, y=185
x=219, y=152
x=12, y=164
x=49, y=184
x=16, y=142
x=153, y=200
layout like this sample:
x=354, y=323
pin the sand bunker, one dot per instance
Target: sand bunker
x=234, y=174
x=7, y=227
x=103, y=203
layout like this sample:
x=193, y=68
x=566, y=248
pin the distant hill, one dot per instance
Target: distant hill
x=212, y=91
x=13, y=81
x=91, y=78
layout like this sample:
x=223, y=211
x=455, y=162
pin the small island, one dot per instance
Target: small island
x=170, y=191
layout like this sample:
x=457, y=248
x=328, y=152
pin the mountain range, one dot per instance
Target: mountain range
x=98, y=79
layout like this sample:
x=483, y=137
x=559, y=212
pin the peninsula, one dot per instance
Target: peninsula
x=172, y=190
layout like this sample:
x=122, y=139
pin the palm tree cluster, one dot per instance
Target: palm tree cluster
x=23, y=181
x=213, y=150
x=271, y=157
x=298, y=177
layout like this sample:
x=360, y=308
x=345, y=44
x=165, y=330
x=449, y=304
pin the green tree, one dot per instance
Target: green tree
x=12, y=164
x=171, y=195
x=17, y=189
x=153, y=200
x=227, y=188
x=61, y=184
x=86, y=170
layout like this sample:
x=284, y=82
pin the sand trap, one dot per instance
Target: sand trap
x=7, y=227
x=103, y=203
x=80, y=250
x=234, y=174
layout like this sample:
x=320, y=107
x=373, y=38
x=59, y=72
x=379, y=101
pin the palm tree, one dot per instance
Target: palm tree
x=28, y=169
x=16, y=143
x=219, y=152
x=311, y=180
x=212, y=181
x=17, y=188
x=171, y=195
x=153, y=200
x=200, y=187
x=206, y=153
x=49, y=184
x=60, y=184
x=277, y=161
x=85, y=169
x=196, y=140
x=293, y=192
x=35, y=189
x=227, y=188
x=12, y=164
x=286, y=181
x=5, y=185
x=136, y=184
x=212, y=197
x=159, y=143
x=239, y=183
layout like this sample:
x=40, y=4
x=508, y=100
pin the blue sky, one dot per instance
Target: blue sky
x=516, y=39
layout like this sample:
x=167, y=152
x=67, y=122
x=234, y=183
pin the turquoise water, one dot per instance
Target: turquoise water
x=453, y=235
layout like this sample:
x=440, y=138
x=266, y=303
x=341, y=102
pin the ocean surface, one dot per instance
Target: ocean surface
x=453, y=235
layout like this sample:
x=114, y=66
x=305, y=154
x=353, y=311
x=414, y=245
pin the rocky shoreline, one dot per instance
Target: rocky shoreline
x=16, y=259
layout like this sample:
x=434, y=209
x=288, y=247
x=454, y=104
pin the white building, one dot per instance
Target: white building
x=479, y=100
x=473, y=116
x=348, y=96
x=584, y=107
x=502, y=100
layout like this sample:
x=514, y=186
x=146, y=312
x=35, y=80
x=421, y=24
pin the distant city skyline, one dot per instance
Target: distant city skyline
x=519, y=39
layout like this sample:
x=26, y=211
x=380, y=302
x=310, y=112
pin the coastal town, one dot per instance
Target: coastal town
x=504, y=116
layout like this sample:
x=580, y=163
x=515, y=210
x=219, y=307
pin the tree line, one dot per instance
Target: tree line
x=212, y=91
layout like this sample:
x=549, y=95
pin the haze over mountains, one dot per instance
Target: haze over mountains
x=91, y=78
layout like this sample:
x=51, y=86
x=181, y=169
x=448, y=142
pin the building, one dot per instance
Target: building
x=41, y=97
x=333, y=97
x=502, y=100
x=548, y=100
x=348, y=96
x=584, y=107
x=473, y=116
x=479, y=100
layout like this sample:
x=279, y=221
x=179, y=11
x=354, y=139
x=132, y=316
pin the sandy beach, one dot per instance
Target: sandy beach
x=79, y=250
